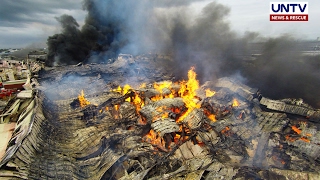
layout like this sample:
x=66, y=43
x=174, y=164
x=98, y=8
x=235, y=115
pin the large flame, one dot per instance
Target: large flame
x=82, y=100
x=188, y=92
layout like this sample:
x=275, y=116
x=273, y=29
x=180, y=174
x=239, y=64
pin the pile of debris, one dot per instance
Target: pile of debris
x=168, y=130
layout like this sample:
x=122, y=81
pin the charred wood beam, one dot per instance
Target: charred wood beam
x=115, y=101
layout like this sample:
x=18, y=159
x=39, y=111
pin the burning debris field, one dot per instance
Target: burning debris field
x=89, y=122
x=182, y=104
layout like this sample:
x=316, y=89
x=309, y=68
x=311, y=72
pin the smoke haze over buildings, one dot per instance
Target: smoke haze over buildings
x=203, y=40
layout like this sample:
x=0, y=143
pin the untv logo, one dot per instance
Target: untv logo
x=288, y=11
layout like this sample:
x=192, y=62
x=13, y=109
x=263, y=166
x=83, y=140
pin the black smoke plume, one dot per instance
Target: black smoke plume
x=282, y=72
x=112, y=27
x=203, y=40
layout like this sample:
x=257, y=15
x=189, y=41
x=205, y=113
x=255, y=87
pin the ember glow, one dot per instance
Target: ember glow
x=116, y=107
x=176, y=138
x=290, y=139
x=305, y=139
x=303, y=136
x=82, y=100
x=162, y=112
x=226, y=131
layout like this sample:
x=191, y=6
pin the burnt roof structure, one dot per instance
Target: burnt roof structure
x=113, y=138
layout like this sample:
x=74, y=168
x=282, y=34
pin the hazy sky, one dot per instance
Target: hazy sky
x=30, y=22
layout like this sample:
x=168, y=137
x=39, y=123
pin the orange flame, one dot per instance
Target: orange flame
x=160, y=86
x=119, y=89
x=225, y=131
x=210, y=116
x=176, y=138
x=162, y=113
x=176, y=110
x=156, y=98
x=295, y=129
x=165, y=115
x=138, y=102
x=188, y=92
x=298, y=131
x=235, y=103
x=116, y=113
x=290, y=139
x=155, y=139
x=241, y=115
x=305, y=139
x=116, y=107
x=210, y=93
x=82, y=100
x=126, y=88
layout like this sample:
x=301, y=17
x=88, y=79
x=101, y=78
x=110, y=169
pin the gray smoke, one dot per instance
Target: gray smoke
x=202, y=40
x=282, y=72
